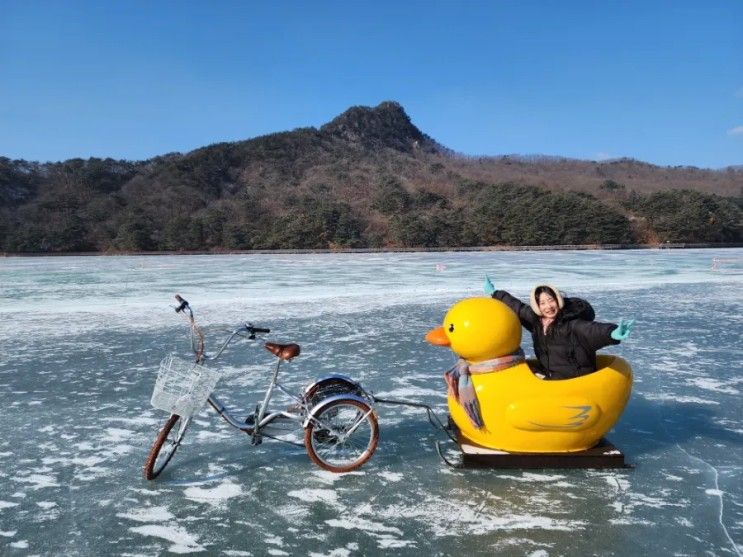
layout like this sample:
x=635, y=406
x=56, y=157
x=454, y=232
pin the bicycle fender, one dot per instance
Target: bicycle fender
x=333, y=377
x=325, y=402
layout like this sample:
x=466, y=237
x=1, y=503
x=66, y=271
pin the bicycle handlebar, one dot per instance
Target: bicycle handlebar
x=183, y=306
x=183, y=303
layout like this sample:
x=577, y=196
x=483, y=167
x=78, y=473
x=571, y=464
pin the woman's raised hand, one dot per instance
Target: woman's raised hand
x=488, y=286
x=623, y=329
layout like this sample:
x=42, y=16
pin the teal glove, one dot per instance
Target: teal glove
x=488, y=286
x=623, y=329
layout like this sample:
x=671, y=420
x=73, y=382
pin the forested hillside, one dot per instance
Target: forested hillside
x=369, y=178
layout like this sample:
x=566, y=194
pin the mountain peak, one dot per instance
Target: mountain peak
x=386, y=125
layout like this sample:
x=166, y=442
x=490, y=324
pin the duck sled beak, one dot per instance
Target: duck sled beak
x=437, y=337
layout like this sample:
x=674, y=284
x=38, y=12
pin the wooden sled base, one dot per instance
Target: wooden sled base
x=603, y=455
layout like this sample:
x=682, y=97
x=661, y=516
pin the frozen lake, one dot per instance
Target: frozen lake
x=82, y=337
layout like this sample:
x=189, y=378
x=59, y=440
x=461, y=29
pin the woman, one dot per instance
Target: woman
x=564, y=333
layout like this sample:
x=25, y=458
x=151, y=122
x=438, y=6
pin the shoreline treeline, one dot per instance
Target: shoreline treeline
x=368, y=179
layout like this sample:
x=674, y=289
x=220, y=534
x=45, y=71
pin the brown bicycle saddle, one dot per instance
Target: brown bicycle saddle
x=283, y=351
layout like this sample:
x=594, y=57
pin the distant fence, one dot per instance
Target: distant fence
x=582, y=247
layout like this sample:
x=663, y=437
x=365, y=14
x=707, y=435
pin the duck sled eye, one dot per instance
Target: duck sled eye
x=451, y=328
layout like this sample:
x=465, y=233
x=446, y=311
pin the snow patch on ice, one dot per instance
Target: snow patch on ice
x=668, y=397
x=327, y=496
x=435, y=513
x=709, y=384
x=148, y=514
x=274, y=540
x=391, y=476
x=143, y=492
x=38, y=481
x=629, y=521
x=182, y=541
x=327, y=477
x=643, y=500
x=296, y=514
x=84, y=446
x=358, y=523
x=337, y=552
x=85, y=462
x=388, y=542
x=117, y=435
x=140, y=420
x=618, y=483
x=210, y=435
x=686, y=349
x=410, y=392
x=530, y=477
x=216, y=496
x=7, y=505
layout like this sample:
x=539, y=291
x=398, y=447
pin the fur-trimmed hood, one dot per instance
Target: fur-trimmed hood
x=535, y=304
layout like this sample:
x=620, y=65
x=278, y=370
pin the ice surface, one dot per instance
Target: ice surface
x=82, y=338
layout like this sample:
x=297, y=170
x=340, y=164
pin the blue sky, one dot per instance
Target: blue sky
x=657, y=81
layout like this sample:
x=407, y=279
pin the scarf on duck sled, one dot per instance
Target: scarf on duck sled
x=459, y=383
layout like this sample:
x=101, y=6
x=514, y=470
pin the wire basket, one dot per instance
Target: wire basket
x=182, y=386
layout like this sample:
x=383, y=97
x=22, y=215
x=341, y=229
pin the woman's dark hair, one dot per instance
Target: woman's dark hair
x=544, y=290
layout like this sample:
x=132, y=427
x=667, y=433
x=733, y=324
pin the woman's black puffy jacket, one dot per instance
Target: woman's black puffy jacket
x=569, y=347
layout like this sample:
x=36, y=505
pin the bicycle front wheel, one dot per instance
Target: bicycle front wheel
x=165, y=445
x=342, y=436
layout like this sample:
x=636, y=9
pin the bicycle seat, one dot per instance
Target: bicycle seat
x=283, y=351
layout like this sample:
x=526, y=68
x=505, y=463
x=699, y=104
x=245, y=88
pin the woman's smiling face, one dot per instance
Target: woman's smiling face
x=548, y=305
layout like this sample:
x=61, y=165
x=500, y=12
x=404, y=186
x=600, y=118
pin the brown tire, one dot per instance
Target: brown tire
x=166, y=443
x=326, y=441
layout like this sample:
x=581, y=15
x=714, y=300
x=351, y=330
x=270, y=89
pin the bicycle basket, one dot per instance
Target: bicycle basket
x=182, y=387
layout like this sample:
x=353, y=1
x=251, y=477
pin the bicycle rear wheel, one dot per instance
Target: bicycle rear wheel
x=342, y=436
x=165, y=445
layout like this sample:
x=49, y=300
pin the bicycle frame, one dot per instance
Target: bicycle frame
x=261, y=416
x=304, y=416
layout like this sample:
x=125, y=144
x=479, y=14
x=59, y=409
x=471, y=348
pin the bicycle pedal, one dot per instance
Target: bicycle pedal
x=256, y=440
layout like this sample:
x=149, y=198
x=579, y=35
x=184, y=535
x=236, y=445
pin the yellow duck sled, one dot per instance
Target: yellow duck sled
x=521, y=412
